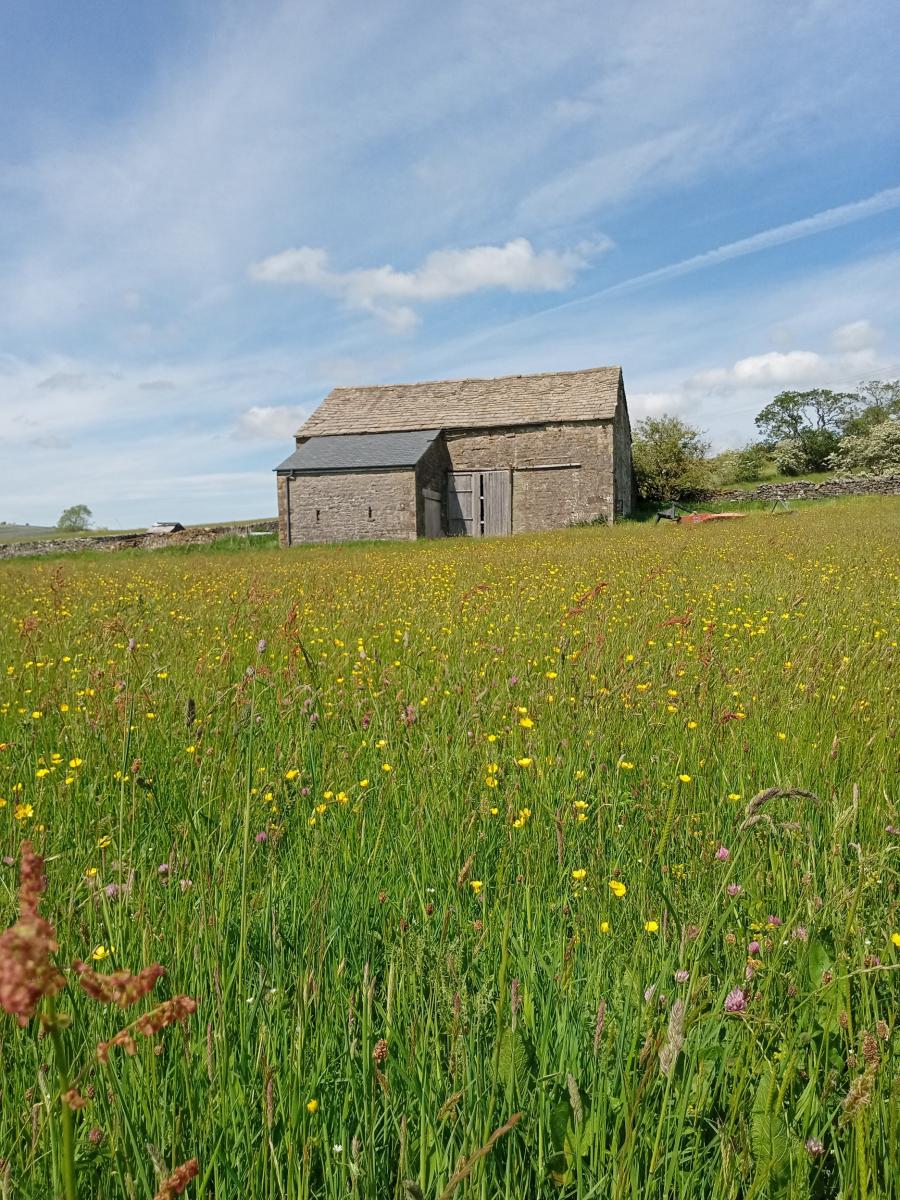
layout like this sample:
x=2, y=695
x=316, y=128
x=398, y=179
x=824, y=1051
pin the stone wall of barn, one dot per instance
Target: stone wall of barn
x=431, y=474
x=357, y=506
x=562, y=474
x=623, y=470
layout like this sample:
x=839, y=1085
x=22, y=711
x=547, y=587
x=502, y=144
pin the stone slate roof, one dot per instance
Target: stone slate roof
x=358, y=452
x=469, y=403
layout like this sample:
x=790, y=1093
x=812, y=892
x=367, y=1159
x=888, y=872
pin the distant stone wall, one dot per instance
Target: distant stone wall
x=198, y=536
x=804, y=489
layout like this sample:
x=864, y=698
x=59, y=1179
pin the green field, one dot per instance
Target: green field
x=553, y=866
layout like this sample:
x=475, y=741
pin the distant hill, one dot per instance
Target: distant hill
x=10, y=532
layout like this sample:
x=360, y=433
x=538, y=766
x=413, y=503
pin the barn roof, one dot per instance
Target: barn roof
x=357, y=452
x=469, y=403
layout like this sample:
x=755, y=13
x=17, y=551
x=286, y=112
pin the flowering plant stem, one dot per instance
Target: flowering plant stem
x=67, y=1162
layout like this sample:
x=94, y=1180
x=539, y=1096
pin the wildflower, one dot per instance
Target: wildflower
x=754, y=948
x=682, y=976
x=736, y=1001
x=626, y=766
x=526, y=723
x=312, y=1107
x=815, y=1147
x=723, y=854
x=578, y=874
x=617, y=888
x=773, y=921
x=262, y=836
x=734, y=889
x=800, y=934
x=651, y=926
x=476, y=885
x=387, y=768
x=734, y=795
x=22, y=812
x=100, y=952
x=292, y=774
x=523, y=762
x=895, y=938
x=685, y=778
x=26, y=971
x=121, y=987
x=175, y=1184
x=604, y=926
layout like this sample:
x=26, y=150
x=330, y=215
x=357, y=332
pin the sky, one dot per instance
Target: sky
x=213, y=213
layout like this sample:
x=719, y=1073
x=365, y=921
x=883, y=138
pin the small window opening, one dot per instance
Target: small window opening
x=317, y=515
x=370, y=512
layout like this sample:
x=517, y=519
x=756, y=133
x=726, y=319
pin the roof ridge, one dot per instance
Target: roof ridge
x=375, y=387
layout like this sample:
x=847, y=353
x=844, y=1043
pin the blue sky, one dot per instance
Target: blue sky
x=213, y=213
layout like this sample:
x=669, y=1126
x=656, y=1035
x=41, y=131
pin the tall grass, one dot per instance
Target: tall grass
x=367, y=806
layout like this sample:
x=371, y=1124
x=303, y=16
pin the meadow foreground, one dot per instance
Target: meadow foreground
x=577, y=849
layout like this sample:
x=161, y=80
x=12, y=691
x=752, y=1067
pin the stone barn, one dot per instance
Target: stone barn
x=476, y=457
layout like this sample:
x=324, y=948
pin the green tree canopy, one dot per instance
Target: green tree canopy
x=669, y=459
x=874, y=452
x=78, y=516
x=790, y=414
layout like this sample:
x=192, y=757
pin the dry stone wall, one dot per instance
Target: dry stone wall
x=805, y=489
x=197, y=536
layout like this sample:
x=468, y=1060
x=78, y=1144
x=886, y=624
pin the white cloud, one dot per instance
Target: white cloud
x=270, y=422
x=671, y=157
x=653, y=404
x=855, y=335
x=388, y=293
x=764, y=371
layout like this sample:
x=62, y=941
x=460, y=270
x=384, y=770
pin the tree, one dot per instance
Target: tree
x=77, y=517
x=791, y=413
x=669, y=459
x=883, y=394
x=811, y=450
x=740, y=466
x=879, y=400
x=875, y=452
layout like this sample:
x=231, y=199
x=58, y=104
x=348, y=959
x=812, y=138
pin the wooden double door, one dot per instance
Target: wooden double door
x=479, y=503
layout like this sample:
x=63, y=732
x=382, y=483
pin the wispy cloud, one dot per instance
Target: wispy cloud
x=388, y=293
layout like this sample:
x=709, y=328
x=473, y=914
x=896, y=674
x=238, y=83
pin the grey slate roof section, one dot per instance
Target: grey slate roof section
x=561, y=396
x=360, y=452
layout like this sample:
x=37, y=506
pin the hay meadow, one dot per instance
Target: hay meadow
x=552, y=866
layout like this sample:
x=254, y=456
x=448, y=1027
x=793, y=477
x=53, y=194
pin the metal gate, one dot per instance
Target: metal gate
x=479, y=503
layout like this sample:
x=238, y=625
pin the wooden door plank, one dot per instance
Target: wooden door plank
x=497, y=503
x=460, y=504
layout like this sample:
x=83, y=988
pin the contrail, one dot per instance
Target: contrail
x=830, y=218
